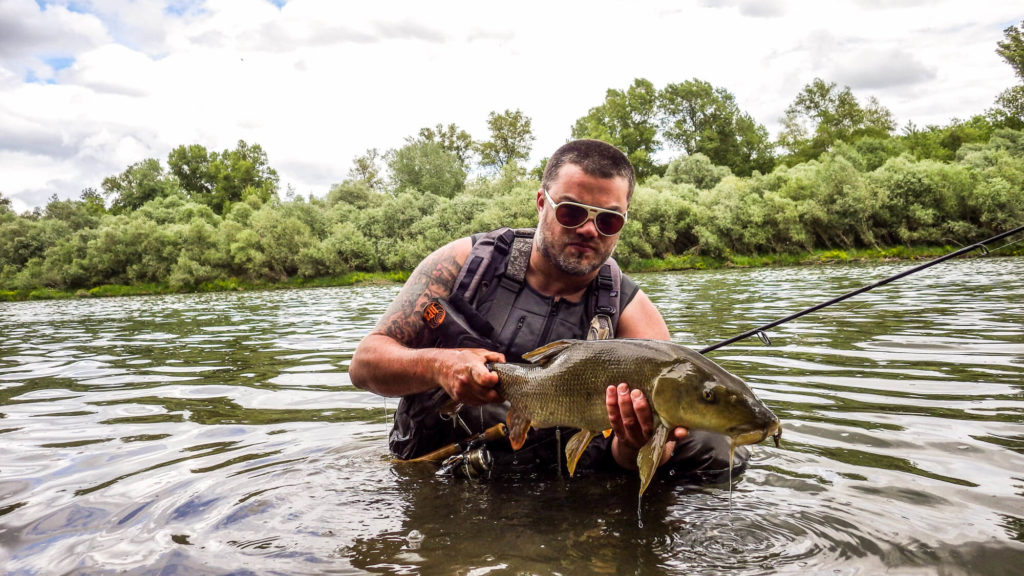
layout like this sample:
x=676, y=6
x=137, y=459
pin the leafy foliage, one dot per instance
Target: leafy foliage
x=511, y=139
x=426, y=167
x=214, y=219
x=701, y=119
x=138, y=184
x=629, y=120
x=219, y=179
x=455, y=140
x=822, y=115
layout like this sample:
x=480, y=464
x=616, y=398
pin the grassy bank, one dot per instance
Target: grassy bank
x=691, y=262
x=229, y=285
x=667, y=264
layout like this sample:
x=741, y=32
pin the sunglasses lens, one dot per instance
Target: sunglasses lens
x=608, y=223
x=571, y=216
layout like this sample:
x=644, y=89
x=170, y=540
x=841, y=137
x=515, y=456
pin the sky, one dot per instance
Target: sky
x=89, y=87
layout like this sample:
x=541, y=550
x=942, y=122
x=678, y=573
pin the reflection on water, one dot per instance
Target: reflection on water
x=220, y=434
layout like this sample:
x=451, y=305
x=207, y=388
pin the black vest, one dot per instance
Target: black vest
x=492, y=284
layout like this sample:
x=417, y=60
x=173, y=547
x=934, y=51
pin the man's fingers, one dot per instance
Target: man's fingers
x=643, y=412
x=483, y=377
x=625, y=406
x=611, y=402
x=490, y=356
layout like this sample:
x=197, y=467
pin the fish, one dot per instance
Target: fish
x=563, y=384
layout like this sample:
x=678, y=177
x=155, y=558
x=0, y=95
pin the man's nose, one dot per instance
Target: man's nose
x=588, y=229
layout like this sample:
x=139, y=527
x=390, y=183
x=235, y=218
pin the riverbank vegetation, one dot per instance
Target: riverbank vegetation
x=840, y=181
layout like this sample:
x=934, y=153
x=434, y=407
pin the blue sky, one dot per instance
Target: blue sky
x=89, y=87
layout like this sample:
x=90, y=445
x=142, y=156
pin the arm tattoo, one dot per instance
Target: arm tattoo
x=433, y=278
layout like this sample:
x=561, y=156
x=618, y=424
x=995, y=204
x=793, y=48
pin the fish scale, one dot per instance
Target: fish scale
x=571, y=390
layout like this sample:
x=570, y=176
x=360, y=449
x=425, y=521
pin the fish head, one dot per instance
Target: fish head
x=694, y=392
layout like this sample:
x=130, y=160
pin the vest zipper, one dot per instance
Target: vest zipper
x=515, y=334
x=549, y=322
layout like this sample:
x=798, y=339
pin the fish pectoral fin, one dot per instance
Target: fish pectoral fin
x=546, y=352
x=606, y=433
x=649, y=457
x=518, y=426
x=575, y=448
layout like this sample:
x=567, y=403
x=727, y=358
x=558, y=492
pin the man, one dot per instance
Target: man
x=581, y=207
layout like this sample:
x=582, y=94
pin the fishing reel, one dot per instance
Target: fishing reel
x=472, y=463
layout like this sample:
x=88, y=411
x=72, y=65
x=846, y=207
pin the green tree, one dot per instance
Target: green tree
x=191, y=166
x=629, y=120
x=244, y=171
x=696, y=169
x=426, y=167
x=1009, y=110
x=822, y=115
x=138, y=184
x=943, y=142
x=1011, y=48
x=452, y=139
x=366, y=168
x=77, y=214
x=219, y=179
x=352, y=193
x=698, y=118
x=511, y=139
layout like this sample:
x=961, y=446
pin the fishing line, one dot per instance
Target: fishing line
x=761, y=330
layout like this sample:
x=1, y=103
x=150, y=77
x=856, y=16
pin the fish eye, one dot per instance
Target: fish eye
x=709, y=394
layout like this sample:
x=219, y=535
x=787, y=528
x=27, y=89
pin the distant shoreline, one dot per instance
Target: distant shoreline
x=649, y=265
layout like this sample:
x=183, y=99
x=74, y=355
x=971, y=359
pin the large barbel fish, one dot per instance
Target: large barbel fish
x=564, y=385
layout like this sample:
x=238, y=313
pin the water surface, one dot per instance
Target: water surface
x=220, y=434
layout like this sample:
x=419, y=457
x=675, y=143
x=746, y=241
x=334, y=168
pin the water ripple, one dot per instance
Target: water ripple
x=212, y=433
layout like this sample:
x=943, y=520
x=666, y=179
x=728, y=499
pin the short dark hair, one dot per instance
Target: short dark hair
x=596, y=158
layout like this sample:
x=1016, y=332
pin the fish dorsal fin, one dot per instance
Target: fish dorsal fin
x=575, y=447
x=545, y=353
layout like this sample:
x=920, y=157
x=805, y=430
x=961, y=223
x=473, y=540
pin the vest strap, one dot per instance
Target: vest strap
x=512, y=280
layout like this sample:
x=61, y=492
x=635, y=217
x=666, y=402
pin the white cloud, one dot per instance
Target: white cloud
x=881, y=69
x=754, y=8
x=112, y=68
x=316, y=83
x=28, y=30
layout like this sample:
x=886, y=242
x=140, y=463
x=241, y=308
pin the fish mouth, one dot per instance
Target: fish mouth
x=741, y=438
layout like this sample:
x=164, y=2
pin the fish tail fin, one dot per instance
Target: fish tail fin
x=518, y=426
x=575, y=447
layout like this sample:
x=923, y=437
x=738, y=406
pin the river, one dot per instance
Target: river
x=220, y=434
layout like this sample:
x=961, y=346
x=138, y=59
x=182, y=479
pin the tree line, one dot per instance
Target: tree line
x=838, y=176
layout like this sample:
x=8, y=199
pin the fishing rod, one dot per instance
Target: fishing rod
x=760, y=330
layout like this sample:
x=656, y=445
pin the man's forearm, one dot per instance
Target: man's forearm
x=386, y=367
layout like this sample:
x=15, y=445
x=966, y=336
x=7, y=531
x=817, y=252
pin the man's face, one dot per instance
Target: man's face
x=578, y=251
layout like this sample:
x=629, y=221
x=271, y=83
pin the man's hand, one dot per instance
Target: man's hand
x=463, y=374
x=632, y=422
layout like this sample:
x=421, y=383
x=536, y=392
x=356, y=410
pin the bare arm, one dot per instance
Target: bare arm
x=631, y=416
x=392, y=360
x=641, y=319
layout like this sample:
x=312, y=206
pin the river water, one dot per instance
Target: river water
x=219, y=433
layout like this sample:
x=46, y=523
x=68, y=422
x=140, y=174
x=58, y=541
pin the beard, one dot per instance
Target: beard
x=557, y=250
